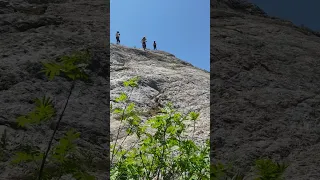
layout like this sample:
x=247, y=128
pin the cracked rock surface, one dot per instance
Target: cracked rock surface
x=163, y=78
x=32, y=31
x=265, y=89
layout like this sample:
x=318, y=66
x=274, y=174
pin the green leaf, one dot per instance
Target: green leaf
x=133, y=82
x=130, y=107
x=267, y=169
x=171, y=130
x=72, y=66
x=51, y=70
x=117, y=111
x=194, y=116
x=43, y=111
x=22, y=121
x=65, y=146
x=122, y=97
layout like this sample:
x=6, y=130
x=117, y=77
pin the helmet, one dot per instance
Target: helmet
x=117, y=31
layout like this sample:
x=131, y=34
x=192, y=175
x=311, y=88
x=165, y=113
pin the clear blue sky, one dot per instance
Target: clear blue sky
x=180, y=27
x=306, y=12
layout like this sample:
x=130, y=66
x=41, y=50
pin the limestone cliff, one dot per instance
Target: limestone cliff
x=32, y=31
x=265, y=81
x=163, y=78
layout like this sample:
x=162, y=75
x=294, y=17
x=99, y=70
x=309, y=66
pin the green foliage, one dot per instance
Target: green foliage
x=43, y=111
x=63, y=159
x=123, y=97
x=166, y=152
x=264, y=169
x=268, y=169
x=133, y=82
x=217, y=171
x=163, y=149
x=21, y=157
x=73, y=66
x=65, y=146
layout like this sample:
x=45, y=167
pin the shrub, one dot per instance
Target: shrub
x=162, y=148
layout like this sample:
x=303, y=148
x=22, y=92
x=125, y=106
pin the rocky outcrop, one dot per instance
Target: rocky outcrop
x=265, y=81
x=163, y=78
x=32, y=31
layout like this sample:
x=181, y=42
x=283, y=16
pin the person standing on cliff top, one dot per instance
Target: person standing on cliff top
x=118, y=37
x=144, y=45
x=154, y=45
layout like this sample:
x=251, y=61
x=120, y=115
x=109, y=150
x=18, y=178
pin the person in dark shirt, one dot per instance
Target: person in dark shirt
x=144, y=45
x=118, y=37
x=154, y=45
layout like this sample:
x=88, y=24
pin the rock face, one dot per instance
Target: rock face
x=163, y=78
x=32, y=31
x=265, y=89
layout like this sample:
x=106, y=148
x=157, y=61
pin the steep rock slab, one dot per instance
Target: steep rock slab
x=265, y=81
x=32, y=31
x=163, y=78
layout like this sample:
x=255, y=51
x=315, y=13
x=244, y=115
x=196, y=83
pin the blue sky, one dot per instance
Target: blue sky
x=299, y=12
x=180, y=27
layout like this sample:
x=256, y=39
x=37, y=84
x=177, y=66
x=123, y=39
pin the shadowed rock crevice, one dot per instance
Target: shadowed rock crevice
x=37, y=22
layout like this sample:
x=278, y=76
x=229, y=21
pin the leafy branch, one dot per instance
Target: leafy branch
x=63, y=154
x=54, y=132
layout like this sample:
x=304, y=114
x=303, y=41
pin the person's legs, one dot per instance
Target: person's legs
x=118, y=40
x=144, y=45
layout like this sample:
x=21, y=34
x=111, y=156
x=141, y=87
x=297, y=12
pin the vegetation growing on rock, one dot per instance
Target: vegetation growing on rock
x=62, y=158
